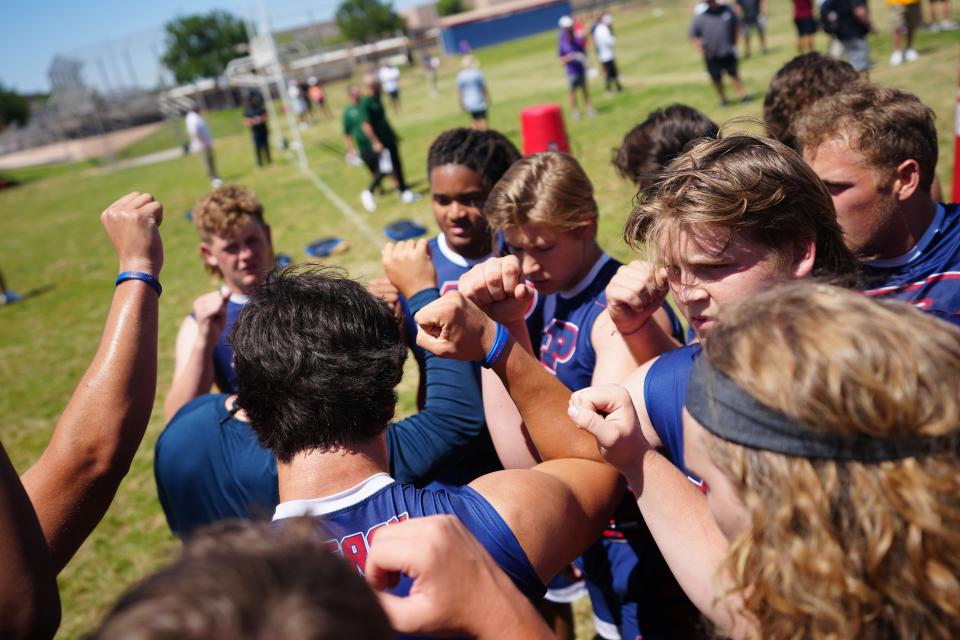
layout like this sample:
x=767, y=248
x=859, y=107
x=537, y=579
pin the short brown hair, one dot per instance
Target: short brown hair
x=749, y=185
x=652, y=144
x=887, y=126
x=244, y=580
x=226, y=209
x=547, y=188
x=797, y=85
x=844, y=549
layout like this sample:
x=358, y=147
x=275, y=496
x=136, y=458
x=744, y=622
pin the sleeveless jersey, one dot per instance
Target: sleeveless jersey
x=223, y=373
x=562, y=324
x=352, y=518
x=664, y=392
x=928, y=276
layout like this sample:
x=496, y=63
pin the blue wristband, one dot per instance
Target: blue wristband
x=143, y=277
x=496, y=349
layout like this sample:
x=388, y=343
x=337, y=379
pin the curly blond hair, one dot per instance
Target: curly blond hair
x=845, y=549
x=546, y=188
x=226, y=209
x=223, y=211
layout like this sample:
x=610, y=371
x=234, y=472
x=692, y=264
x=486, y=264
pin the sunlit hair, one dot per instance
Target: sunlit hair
x=748, y=185
x=224, y=211
x=845, y=549
x=797, y=85
x=886, y=125
x=662, y=136
x=248, y=581
x=545, y=188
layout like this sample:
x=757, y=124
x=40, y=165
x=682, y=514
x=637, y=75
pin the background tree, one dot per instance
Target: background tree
x=13, y=108
x=200, y=46
x=450, y=7
x=365, y=20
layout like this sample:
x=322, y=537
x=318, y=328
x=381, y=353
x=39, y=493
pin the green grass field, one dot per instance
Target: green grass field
x=52, y=245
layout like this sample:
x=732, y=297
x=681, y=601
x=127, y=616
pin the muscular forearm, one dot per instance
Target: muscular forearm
x=511, y=616
x=679, y=519
x=75, y=479
x=542, y=401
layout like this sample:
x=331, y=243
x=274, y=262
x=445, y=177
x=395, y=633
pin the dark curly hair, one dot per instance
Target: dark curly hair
x=652, y=144
x=796, y=86
x=489, y=153
x=317, y=359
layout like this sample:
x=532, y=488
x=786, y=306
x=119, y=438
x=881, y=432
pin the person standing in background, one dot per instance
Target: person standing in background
x=202, y=142
x=945, y=23
x=318, y=96
x=383, y=140
x=806, y=25
x=390, y=81
x=753, y=14
x=572, y=53
x=255, y=117
x=849, y=22
x=905, y=17
x=473, y=93
x=714, y=33
x=430, y=64
x=604, y=40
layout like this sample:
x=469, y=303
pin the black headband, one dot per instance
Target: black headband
x=726, y=410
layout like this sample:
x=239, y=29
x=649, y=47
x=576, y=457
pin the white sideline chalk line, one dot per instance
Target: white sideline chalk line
x=344, y=208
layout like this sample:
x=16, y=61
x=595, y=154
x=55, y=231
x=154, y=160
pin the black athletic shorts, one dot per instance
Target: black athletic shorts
x=716, y=66
x=610, y=66
x=479, y=115
x=579, y=80
x=805, y=26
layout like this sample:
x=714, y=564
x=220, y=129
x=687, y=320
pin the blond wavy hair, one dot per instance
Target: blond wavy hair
x=845, y=549
x=223, y=211
x=226, y=209
x=546, y=188
x=748, y=185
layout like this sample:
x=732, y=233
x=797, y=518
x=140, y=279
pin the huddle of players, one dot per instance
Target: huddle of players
x=794, y=469
x=542, y=276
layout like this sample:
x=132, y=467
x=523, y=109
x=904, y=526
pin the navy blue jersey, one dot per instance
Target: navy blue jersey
x=209, y=466
x=352, y=518
x=223, y=373
x=664, y=392
x=562, y=324
x=929, y=275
